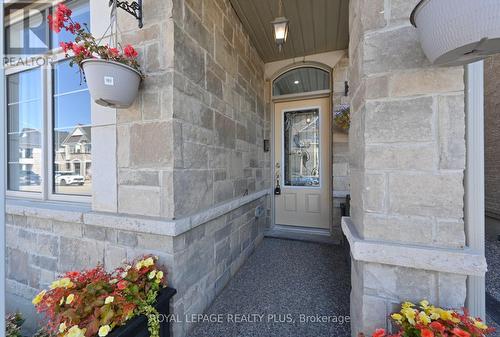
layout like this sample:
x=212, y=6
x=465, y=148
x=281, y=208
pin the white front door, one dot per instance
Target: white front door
x=302, y=167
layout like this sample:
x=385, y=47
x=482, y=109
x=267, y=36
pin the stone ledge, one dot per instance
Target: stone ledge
x=61, y=211
x=77, y=213
x=455, y=261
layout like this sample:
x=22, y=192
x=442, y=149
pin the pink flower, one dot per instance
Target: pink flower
x=66, y=46
x=63, y=10
x=130, y=52
x=379, y=333
x=113, y=52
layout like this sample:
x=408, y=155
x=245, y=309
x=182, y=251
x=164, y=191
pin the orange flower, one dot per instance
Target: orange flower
x=379, y=333
x=436, y=326
x=426, y=333
x=460, y=333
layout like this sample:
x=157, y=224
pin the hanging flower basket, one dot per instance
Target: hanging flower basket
x=342, y=117
x=113, y=76
x=457, y=32
x=111, y=83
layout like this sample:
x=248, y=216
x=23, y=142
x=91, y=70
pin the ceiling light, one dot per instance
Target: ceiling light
x=280, y=25
x=296, y=82
x=280, y=31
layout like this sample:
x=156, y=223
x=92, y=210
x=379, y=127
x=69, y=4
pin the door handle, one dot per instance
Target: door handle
x=277, y=188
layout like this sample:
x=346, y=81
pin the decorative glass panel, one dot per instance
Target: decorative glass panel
x=72, y=134
x=301, y=148
x=24, y=120
x=301, y=80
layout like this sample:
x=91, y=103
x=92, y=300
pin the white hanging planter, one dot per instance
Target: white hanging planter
x=111, y=84
x=457, y=32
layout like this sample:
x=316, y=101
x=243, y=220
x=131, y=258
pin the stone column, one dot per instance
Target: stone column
x=145, y=135
x=407, y=143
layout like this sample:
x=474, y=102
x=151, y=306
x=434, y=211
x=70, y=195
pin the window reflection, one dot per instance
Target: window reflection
x=302, y=146
x=72, y=132
x=24, y=120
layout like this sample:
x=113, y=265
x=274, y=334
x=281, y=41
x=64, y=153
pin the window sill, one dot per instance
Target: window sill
x=60, y=210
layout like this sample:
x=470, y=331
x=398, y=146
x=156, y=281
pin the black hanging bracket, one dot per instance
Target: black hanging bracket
x=134, y=8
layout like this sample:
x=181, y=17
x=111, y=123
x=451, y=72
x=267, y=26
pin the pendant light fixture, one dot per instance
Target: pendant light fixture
x=280, y=25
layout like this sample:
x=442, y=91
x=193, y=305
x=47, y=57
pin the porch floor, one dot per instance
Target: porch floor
x=285, y=277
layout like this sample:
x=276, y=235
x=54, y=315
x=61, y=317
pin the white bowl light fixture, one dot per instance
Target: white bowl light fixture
x=457, y=32
x=280, y=25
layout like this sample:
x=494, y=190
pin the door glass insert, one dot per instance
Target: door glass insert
x=301, y=148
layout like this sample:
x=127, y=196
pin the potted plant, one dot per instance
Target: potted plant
x=342, y=118
x=456, y=32
x=127, y=302
x=426, y=320
x=113, y=75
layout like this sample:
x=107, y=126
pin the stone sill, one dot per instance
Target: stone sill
x=455, y=261
x=78, y=213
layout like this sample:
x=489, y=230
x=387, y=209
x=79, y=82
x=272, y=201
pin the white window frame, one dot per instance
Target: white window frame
x=47, y=159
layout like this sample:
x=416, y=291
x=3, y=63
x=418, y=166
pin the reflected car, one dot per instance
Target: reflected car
x=69, y=178
x=305, y=181
x=29, y=178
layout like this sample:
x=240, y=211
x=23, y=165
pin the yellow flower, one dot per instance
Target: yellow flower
x=109, y=299
x=423, y=318
x=435, y=316
x=149, y=262
x=424, y=304
x=38, y=298
x=70, y=298
x=62, y=283
x=480, y=325
x=407, y=305
x=139, y=265
x=62, y=327
x=159, y=275
x=75, y=331
x=397, y=317
x=152, y=274
x=409, y=313
x=104, y=330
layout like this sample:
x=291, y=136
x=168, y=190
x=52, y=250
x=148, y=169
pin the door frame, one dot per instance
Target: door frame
x=296, y=97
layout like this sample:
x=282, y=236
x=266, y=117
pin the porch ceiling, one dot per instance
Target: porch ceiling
x=316, y=26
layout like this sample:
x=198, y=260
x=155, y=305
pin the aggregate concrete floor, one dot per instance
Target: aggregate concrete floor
x=285, y=282
x=492, y=250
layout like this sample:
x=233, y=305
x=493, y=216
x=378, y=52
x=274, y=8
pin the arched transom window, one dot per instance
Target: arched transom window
x=301, y=80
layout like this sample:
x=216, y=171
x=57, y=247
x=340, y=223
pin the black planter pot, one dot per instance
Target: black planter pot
x=138, y=326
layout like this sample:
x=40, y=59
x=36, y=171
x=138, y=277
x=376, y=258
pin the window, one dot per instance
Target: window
x=301, y=80
x=71, y=134
x=24, y=129
x=48, y=121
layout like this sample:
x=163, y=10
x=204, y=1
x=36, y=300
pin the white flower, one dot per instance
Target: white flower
x=109, y=299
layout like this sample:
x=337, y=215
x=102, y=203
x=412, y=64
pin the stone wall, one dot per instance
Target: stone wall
x=43, y=242
x=407, y=146
x=340, y=146
x=218, y=108
x=492, y=135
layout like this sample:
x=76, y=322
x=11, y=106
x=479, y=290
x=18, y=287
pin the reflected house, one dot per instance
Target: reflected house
x=73, y=151
x=29, y=153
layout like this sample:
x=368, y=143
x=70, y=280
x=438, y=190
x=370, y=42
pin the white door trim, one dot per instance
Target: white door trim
x=474, y=182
